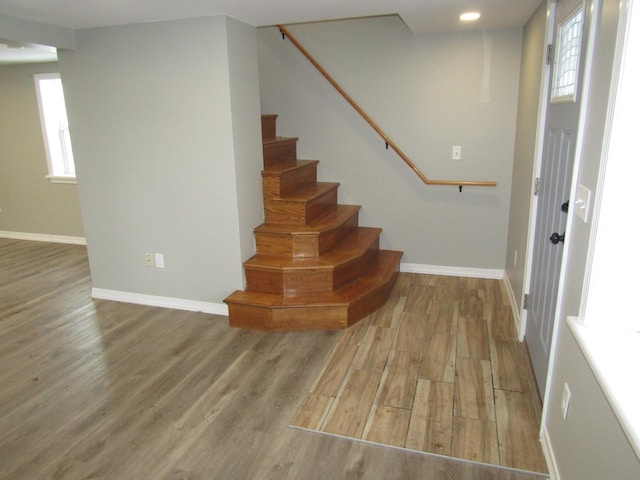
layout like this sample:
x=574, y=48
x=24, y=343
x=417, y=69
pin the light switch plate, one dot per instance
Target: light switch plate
x=582, y=203
x=159, y=257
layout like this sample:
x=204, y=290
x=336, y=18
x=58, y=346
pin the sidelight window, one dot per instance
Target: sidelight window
x=567, y=64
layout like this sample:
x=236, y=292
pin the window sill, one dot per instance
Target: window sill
x=614, y=356
x=62, y=179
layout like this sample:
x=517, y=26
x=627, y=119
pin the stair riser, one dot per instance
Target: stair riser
x=268, y=126
x=288, y=319
x=289, y=283
x=370, y=302
x=293, y=246
x=279, y=153
x=332, y=238
x=275, y=244
x=348, y=273
x=304, y=246
x=299, y=281
x=279, y=185
x=263, y=281
x=284, y=211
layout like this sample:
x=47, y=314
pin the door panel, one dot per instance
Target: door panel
x=555, y=183
x=547, y=257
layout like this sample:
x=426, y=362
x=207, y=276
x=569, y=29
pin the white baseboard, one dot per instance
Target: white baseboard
x=515, y=307
x=156, y=301
x=547, y=450
x=44, y=237
x=495, y=274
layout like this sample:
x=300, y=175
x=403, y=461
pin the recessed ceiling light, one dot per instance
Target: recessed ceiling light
x=469, y=16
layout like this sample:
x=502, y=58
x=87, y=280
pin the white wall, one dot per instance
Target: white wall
x=151, y=110
x=428, y=93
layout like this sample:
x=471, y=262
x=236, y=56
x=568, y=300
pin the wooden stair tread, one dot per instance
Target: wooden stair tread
x=308, y=193
x=275, y=140
x=331, y=219
x=383, y=271
x=354, y=245
x=280, y=168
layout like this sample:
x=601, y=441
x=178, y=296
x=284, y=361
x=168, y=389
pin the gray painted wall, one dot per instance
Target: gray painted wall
x=158, y=131
x=247, y=138
x=533, y=52
x=14, y=28
x=30, y=203
x=427, y=93
x=590, y=443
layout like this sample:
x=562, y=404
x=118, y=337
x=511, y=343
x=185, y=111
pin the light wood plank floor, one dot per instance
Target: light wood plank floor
x=438, y=369
x=105, y=390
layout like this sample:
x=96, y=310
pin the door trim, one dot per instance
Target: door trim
x=538, y=153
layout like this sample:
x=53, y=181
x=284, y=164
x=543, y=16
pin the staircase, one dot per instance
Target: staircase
x=315, y=268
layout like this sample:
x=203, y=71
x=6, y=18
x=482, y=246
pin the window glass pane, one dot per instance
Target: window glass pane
x=55, y=125
x=568, y=56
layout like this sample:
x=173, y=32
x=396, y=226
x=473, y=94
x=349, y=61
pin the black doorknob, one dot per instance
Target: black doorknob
x=555, y=238
x=565, y=206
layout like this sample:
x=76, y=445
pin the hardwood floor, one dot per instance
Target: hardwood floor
x=438, y=369
x=91, y=389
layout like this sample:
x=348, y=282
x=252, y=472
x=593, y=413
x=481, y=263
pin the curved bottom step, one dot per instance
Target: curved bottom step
x=325, y=311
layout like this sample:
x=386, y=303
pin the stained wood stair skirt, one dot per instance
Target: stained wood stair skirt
x=314, y=267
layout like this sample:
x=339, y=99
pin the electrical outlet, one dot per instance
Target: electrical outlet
x=148, y=259
x=566, y=399
x=159, y=257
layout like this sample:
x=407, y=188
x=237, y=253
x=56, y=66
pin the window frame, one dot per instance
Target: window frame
x=53, y=175
x=567, y=98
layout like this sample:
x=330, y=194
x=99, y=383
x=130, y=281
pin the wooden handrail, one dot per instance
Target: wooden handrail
x=387, y=140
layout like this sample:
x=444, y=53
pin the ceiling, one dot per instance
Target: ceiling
x=421, y=16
